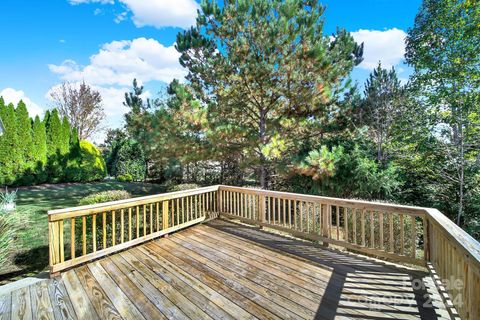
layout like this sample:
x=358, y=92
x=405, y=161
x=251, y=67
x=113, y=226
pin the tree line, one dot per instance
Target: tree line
x=34, y=151
x=268, y=101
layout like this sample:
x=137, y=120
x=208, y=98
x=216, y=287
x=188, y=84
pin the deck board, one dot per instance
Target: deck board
x=224, y=270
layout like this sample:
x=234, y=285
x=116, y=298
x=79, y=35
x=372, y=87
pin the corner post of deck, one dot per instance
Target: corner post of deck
x=54, y=243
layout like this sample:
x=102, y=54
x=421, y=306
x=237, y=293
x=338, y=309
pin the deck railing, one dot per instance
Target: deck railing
x=81, y=234
x=406, y=234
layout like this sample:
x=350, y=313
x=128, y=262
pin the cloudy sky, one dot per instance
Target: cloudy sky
x=107, y=43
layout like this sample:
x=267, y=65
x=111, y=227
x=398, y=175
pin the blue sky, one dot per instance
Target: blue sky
x=108, y=42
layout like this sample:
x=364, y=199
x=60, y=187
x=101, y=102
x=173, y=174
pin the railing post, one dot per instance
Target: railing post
x=261, y=208
x=54, y=244
x=165, y=214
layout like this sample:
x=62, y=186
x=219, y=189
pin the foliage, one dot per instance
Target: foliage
x=92, y=166
x=130, y=160
x=8, y=197
x=7, y=234
x=183, y=187
x=10, y=157
x=443, y=47
x=39, y=140
x=81, y=105
x=249, y=63
x=127, y=177
x=105, y=196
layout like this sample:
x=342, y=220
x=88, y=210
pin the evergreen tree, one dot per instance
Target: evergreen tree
x=54, y=132
x=39, y=149
x=10, y=156
x=267, y=76
x=65, y=137
x=24, y=134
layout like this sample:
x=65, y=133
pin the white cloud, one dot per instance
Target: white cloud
x=156, y=13
x=118, y=62
x=14, y=96
x=387, y=46
x=163, y=13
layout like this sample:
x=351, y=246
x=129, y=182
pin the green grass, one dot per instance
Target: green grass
x=31, y=245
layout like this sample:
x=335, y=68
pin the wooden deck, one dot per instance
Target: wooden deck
x=223, y=270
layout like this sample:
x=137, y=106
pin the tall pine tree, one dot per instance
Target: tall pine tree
x=9, y=145
x=40, y=149
x=54, y=140
x=24, y=135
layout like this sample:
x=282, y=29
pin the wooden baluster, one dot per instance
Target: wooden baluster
x=337, y=214
x=62, y=247
x=245, y=205
x=372, y=230
x=144, y=220
x=320, y=224
x=295, y=215
x=94, y=232
x=72, y=238
x=414, y=237
x=129, y=224
x=314, y=217
x=261, y=209
x=301, y=216
x=290, y=213
x=362, y=223
x=183, y=210
x=151, y=218
x=307, y=207
x=380, y=221
x=104, y=226
x=402, y=235
x=177, y=211
x=268, y=210
x=392, y=243
x=354, y=217
x=137, y=218
x=284, y=212
x=84, y=235
x=426, y=243
x=122, y=225
x=345, y=221
x=53, y=243
x=113, y=227
x=165, y=215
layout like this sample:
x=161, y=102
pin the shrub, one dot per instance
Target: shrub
x=105, y=196
x=127, y=177
x=92, y=166
x=130, y=160
x=6, y=236
x=182, y=187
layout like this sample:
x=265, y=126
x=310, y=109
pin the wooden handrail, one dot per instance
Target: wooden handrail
x=415, y=235
x=422, y=236
x=81, y=234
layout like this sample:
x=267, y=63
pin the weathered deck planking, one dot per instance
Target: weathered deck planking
x=222, y=270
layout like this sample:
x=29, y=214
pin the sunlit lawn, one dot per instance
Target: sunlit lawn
x=31, y=252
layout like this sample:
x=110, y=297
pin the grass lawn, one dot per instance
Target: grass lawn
x=30, y=255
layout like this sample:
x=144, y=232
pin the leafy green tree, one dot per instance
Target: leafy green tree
x=92, y=164
x=65, y=138
x=10, y=156
x=443, y=48
x=266, y=74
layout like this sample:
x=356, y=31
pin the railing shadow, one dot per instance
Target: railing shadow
x=360, y=287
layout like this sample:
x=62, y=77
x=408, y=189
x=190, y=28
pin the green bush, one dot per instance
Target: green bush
x=105, y=196
x=127, y=177
x=182, y=187
x=130, y=160
x=92, y=166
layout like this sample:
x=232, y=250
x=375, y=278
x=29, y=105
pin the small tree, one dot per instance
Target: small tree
x=24, y=130
x=81, y=105
x=39, y=149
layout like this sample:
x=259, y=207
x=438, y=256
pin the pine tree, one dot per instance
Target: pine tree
x=9, y=149
x=265, y=74
x=24, y=134
x=39, y=149
x=54, y=137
